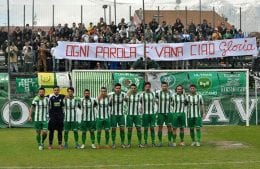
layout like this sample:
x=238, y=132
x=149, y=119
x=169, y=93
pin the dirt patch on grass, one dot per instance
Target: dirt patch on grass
x=229, y=144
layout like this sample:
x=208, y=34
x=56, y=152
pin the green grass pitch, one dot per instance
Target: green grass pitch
x=223, y=147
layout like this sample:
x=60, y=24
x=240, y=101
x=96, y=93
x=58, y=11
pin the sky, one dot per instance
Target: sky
x=68, y=12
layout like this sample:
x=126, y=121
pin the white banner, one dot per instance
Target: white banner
x=63, y=79
x=157, y=52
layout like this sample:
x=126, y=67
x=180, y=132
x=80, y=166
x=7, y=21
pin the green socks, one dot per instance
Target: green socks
x=174, y=137
x=152, y=135
x=139, y=136
x=66, y=136
x=44, y=136
x=107, y=136
x=92, y=137
x=76, y=137
x=84, y=135
x=129, y=136
x=169, y=136
x=38, y=138
x=198, y=134
x=98, y=137
x=113, y=134
x=192, y=134
x=182, y=136
x=160, y=136
x=122, y=136
x=145, y=135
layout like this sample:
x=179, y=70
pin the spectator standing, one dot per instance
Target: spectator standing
x=13, y=57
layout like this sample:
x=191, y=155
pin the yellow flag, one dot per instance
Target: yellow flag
x=46, y=79
x=49, y=91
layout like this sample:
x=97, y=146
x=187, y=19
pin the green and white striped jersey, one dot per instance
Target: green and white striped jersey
x=133, y=102
x=88, y=109
x=179, y=103
x=70, y=106
x=41, y=112
x=103, y=108
x=164, y=100
x=117, y=103
x=148, y=102
x=194, y=103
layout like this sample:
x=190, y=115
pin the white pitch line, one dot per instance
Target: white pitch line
x=135, y=165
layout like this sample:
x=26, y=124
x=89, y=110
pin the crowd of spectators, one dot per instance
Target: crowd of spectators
x=33, y=50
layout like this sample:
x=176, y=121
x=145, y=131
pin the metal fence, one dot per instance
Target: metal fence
x=51, y=13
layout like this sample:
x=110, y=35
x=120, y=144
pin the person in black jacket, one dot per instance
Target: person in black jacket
x=56, y=116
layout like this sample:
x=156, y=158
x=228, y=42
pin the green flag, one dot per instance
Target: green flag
x=126, y=79
x=3, y=85
x=232, y=82
x=207, y=82
x=25, y=85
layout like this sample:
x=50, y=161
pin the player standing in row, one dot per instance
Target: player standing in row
x=164, y=101
x=179, y=117
x=88, y=118
x=195, y=113
x=56, y=116
x=40, y=105
x=117, y=99
x=71, y=103
x=148, y=102
x=103, y=116
x=133, y=115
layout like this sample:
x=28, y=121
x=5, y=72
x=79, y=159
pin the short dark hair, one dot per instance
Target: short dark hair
x=147, y=83
x=179, y=86
x=86, y=90
x=41, y=88
x=164, y=83
x=117, y=84
x=192, y=85
x=56, y=87
x=133, y=85
x=104, y=88
x=70, y=88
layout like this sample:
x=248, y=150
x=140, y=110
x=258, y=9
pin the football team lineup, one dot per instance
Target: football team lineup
x=106, y=112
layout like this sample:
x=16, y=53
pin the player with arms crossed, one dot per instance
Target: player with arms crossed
x=195, y=113
x=40, y=108
x=88, y=118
